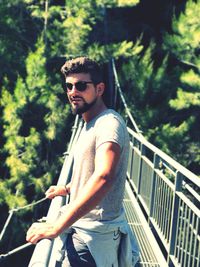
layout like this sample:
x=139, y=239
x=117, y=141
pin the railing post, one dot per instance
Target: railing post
x=142, y=153
x=156, y=161
x=175, y=210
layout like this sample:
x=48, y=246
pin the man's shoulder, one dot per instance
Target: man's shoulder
x=110, y=116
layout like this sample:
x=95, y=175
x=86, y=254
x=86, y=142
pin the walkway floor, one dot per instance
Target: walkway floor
x=150, y=253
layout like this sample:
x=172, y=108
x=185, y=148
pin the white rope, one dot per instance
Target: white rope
x=6, y=224
x=11, y=213
x=3, y=256
x=29, y=205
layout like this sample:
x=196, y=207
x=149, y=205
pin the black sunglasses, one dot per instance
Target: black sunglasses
x=80, y=86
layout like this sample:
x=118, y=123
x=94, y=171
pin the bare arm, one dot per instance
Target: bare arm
x=106, y=159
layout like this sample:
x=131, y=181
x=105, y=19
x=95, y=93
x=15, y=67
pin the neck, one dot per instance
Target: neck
x=94, y=111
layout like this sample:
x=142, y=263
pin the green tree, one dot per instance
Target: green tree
x=33, y=123
x=16, y=24
x=184, y=44
x=164, y=98
x=147, y=88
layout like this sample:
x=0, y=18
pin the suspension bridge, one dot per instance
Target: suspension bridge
x=161, y=201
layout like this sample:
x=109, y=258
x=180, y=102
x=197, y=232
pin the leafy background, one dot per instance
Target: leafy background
x=156, y=47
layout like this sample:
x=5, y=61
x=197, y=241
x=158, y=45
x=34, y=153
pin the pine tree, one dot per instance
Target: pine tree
x=184, y=46
x=164, y=98
x=147, y=89
x=33, y=120
x=16, y=24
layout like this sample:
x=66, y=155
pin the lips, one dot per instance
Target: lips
x=76, y=100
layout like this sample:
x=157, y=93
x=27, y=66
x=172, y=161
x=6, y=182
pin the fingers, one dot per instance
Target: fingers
x=51, y=192
x=32, y=235
x=39, y=231
x=56, y=190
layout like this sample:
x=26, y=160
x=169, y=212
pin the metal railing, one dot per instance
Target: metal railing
x=168, y=194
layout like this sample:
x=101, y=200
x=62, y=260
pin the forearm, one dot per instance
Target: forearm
x=92, y=193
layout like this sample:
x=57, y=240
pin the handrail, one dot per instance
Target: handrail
x=41, y=254
x=166, y=158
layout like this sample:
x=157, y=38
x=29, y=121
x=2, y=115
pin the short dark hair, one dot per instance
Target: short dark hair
x=83, y=65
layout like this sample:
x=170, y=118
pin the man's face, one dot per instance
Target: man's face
x=81, y=92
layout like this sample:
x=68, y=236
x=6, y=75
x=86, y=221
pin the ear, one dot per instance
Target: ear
x=100, y=88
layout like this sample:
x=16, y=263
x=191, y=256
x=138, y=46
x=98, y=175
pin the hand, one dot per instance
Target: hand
x=57, y=190
x=39, y=231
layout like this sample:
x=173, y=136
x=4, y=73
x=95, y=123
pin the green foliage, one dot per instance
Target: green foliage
x=15, y=39
x=184, y=44
x=190, y=97
x=4, y=191
x=185, y=100
x=122, y=3
x=165, y=99
x=32, y=118
x=118, y=3
x=147, y=88
x=116, y=50
x=168, y=136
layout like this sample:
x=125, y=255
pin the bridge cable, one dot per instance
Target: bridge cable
x=11, y=213
x=127, y=109
x=3, y=256
x=30, y=205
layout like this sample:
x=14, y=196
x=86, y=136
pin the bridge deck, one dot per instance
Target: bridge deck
x=150, y=253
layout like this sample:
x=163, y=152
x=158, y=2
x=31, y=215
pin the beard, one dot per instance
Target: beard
x=84, y=108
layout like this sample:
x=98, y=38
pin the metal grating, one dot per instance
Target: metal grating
x=150, y=254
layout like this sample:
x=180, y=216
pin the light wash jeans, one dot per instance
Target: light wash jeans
x=78, y=255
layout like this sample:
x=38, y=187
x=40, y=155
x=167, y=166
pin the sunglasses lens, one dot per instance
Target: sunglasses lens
x=81, y=86
x=69, y=86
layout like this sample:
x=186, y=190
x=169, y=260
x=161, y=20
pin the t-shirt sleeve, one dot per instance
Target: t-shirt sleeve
x=110, y=130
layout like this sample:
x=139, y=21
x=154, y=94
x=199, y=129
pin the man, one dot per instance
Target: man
x=95, y=213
